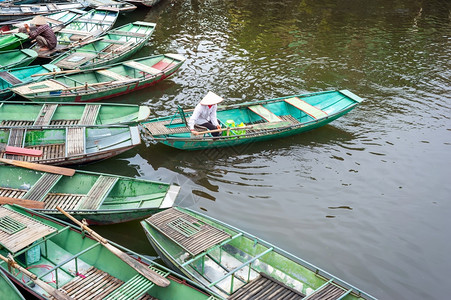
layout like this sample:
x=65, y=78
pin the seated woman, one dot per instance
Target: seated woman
x=205, y=114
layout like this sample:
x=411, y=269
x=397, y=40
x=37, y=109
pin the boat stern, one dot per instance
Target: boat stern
x=170, y=197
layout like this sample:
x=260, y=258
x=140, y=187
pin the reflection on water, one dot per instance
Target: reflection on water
x=366, y=197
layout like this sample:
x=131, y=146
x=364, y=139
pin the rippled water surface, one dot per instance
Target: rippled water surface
x=368, y=197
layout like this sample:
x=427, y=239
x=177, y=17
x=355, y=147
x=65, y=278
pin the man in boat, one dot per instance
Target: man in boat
x=42, y=33
x=205, y=114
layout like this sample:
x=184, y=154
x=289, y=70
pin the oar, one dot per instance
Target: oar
x=45, y=286
x=262, y=126
x=22, y=202
x=39, y=167
x=142, y=269
x=55, y=73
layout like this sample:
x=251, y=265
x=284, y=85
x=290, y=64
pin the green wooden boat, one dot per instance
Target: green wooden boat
x=7, y=289
x=261, y=120
x=114, y=46
x=17, y=76
x=98, y=198
x=87, y=27
x=70, y=145
x=30, y=114
x=16, y=58
x=12, y=41
x=103, y=83
x=235, y=264
x=11, y=12
x=83, y=268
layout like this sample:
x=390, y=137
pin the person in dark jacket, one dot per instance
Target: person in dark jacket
x=42, y=33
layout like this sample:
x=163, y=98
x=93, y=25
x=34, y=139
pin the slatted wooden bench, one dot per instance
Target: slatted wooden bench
x=159, y=128
x=98, y=192
x=90, y=114
x=328, y=291
x=142, y=67
x=15, y=139
x=265, y=113
x=46, y=114
x=184, y=229
x=14, y=123
x=311, y=110
x=113, y=75
x=8, y=77
x=75, y=141
x=17, y=231
x=50, y=151
x=266, y=288
x=65, y=201
x=44, y=184
x=127, y=33
x=13, y=193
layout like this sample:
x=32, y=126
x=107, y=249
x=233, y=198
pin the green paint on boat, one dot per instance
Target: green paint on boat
x=98, y=198
x=7, y=289
x=12, y=41
x=230, y=261
x=17, y=58
x=287, y=116
x=103, y=83
x=114, y=46
x=62, y=256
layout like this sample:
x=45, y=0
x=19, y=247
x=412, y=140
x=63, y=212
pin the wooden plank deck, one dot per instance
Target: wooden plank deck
x=330, y=292
x=15, y=139
x=311, y=110
x=205, y=237
x=266, y=288
x=50, y=151
x=113, y=75
x=98, y=192
x=265, y=113
x=40, y=189
x=75, y=141
x=16, y=123
x=89, y=114
x=33, y=231
x=159, y=128
x=65, y=201
x=46, y=114
x=13, y=193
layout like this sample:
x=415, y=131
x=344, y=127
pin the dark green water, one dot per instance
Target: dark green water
x=368, y=197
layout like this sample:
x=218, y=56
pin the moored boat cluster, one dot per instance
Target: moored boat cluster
x=46, y=244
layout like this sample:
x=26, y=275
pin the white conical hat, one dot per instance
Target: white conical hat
x=39, y=20
x=210, y=99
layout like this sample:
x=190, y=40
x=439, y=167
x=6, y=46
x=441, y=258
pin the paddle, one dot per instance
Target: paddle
x=262, y=126
x=45, y=286
x=22, y=202
x=39, y=167
x=56, y=73
x=19, y=151
x=142, y=269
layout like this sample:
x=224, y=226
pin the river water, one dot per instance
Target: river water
x=366, y=198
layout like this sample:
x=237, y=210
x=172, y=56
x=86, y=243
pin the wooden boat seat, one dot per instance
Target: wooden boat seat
x=311, y=110
x=113, y=41
x=328, y=291
x=265, y=113
x=44, y=184
x=41, y=87
x=186, y=230
x=75, y=32
x=53, y=152
x=265, y=287
x=8, y=77
x=16, y=136
x=63, y=200
x=74, y=60
x=160, y=128
x=75, y=141
x=113, y=75
x=90, y=114
x=17, y=231
x=13, y=193
x=14, y=123
x=142, y=67
x=98, y=192
x=127, y=33
x=46, y=114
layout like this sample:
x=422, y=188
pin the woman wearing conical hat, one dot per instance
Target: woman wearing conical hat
x=205, y=114
x=42, y=33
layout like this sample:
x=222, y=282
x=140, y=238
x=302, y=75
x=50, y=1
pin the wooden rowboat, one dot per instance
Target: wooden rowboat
x=33, y=114
x=87, y=27
x=98, y=198
x=17, y=76
x=11, y=11
x=7, y=289
x=12, y=41
x=58, y=256
x=148, y=3
x=70, y=145
x=119, y=6
x=114, y=46
x=103, y=83
x=16, y=58
x=262, y=120
x=236, y=264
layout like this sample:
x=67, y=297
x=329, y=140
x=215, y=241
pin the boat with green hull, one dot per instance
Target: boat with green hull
x=12, y=11
x=62, y=259
x=99, y=198
x=105, y=82
x=17, y=76
x=255, y=121
x=69, y=145
x=236, y=264
x=7, y=289
x=30, y=114
x=115, y=46
x=12, y=41
x=16, y=58
x=87, y=27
